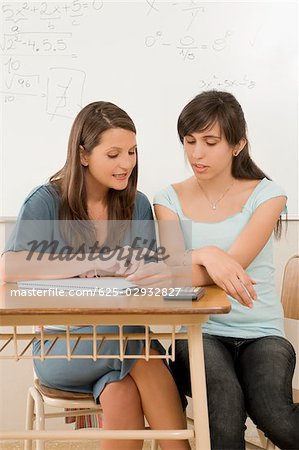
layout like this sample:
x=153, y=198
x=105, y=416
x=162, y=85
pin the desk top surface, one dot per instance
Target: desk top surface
x=213, y=302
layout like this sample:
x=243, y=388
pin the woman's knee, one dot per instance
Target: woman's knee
x=120, y=395
x=117, y=398
x=270, y=352
x=267, y=368
x=281, y=427
x=267, y=371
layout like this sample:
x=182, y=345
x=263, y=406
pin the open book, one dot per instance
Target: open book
x=102, y=285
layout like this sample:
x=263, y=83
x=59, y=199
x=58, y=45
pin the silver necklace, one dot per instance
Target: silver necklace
x=214, y=204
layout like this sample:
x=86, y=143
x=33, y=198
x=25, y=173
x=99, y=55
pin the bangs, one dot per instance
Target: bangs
x=209, y=108
x=198, y=124
x=206, y=125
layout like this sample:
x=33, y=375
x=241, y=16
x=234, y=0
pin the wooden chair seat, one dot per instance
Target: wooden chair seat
x=59, y=394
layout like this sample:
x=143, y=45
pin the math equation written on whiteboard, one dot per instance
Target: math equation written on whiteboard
x=36, y=34
x=41, y=54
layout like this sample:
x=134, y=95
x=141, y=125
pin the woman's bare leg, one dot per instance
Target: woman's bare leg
x=160, y=399
x=122, y=411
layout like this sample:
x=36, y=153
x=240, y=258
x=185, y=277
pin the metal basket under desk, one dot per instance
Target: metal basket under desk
x=17, y=345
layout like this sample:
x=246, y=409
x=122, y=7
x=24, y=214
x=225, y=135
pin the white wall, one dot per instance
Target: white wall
x=15, y=377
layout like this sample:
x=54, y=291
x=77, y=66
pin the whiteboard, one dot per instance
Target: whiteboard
x=150, y=58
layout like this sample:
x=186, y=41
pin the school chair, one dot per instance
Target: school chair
x=39, y=395
x=290, y=302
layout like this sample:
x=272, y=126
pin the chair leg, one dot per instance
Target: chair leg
x=39, y=415
x=270, y=445
x=29, y=419
x=154, y=445
x=265, y=442
x=263, y=439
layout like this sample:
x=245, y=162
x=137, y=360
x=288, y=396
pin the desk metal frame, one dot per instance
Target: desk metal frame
x=147, y=312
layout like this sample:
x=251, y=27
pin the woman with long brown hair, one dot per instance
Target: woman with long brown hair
x=82, y=204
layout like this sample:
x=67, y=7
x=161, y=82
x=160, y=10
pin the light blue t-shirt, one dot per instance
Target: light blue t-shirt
x=266, y=316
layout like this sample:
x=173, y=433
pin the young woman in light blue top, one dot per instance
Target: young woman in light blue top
x=233, y=208
x=87, y=202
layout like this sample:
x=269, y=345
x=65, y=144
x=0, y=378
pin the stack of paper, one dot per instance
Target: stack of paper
x=102, y=285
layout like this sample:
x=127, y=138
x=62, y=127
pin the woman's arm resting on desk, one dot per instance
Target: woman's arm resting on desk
x=21, y=265
x=225, y=267
x=210, y=264
x=17, y=266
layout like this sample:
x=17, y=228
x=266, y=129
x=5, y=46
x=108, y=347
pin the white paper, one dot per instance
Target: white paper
x=97, y=284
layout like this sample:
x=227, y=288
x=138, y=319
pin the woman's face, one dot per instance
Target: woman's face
x=110, y=164
x=208, y=152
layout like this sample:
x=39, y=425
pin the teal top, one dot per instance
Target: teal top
x=38, y=221
x=266, y=316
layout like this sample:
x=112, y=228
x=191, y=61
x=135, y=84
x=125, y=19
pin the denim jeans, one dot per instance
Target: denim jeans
x=245, y=376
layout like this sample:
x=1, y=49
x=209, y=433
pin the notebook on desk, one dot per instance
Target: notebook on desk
x=100, y=286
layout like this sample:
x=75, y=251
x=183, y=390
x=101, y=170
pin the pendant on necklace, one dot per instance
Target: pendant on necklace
x=213, y=206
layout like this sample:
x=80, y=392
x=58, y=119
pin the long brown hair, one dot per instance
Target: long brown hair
x=75, y=226
x=222, y=107
x=86, y=132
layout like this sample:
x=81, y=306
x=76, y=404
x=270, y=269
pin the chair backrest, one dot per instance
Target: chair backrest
x=290, y=289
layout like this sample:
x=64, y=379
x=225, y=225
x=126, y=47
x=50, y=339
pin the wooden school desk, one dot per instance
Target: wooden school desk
x=94, y=310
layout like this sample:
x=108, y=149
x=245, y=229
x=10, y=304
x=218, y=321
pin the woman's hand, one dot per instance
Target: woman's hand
x=129, y=260
x=121, y=262
x=159, y=274
x=154, y=274
x=227, y=273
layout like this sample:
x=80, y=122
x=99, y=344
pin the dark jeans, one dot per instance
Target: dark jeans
x=245, y=376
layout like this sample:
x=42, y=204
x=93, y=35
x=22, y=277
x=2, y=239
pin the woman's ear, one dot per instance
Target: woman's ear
x=83, y=157
x=239, y=147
